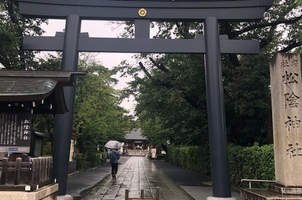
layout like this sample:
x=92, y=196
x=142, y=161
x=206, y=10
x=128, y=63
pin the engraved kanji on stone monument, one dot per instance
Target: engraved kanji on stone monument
x=285, y=72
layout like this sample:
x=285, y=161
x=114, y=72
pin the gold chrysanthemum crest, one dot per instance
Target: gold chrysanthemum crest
x=142, y=12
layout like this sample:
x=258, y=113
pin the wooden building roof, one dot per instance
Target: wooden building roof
x=40, y=91
x=135, y=135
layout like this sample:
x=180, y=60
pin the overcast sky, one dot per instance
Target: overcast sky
x=99, y=29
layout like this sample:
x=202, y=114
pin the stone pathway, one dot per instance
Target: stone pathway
x=137, y=174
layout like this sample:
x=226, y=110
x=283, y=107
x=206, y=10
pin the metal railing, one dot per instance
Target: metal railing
x=255, y=180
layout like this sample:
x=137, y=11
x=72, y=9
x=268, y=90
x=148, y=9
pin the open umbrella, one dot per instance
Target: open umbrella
x=112, y=144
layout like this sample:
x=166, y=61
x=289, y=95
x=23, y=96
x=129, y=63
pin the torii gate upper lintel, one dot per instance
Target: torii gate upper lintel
x=119, y=10
x=142, y=12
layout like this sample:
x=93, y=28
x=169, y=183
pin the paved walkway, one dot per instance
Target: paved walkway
x=136, y=174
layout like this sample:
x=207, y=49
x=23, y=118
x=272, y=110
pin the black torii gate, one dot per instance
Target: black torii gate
x=142, y=12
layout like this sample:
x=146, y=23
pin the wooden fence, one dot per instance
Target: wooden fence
x=25, y=173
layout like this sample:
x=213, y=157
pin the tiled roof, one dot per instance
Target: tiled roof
x=135, y=135
x=40, y=91
x=25, y=89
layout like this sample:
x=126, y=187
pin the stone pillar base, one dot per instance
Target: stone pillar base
x=48, y=192
x=285, y=190
x=221, y=198
x=66, y=197
x=265, y=194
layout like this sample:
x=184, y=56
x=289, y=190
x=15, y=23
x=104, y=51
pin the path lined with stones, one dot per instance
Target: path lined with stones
x=137, y=174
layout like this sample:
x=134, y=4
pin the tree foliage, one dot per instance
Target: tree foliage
x=13, y=26
x=171, y=92
x=98, y=116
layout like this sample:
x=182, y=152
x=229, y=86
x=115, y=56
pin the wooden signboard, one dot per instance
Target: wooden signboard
x=15, y=132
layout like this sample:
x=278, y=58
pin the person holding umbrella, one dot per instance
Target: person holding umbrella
x=114, y=156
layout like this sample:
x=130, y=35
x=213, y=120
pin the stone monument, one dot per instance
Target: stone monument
x=286, y=92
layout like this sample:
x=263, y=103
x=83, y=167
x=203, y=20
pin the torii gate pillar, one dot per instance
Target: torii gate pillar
x=216, y=115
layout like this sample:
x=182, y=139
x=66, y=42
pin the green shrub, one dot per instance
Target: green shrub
x=47, y=149
x=183, y=154
x=149, y=156
x=235, y=164
x=251, y=163
x=90, y=160
x=244, y=162
x=162, y=157
x=96, y=158
x=191, y=157
x=82, y=163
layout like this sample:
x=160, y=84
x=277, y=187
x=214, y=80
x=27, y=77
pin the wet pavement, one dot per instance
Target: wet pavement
x=139, y=173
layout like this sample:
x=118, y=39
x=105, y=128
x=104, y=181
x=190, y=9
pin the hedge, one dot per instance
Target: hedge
x=90, y=160
x=244, y=162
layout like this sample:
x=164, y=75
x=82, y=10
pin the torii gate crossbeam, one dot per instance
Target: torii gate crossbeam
x=128, y=45
x=119, y=10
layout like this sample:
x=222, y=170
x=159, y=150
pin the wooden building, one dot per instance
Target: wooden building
x=22, y=95
x=135, y=140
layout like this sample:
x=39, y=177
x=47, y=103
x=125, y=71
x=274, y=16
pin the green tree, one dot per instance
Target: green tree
x=173, y=98
x=13, y=26
x=98, y=116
